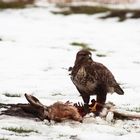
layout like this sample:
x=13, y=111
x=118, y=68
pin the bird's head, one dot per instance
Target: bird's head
x=83, y=56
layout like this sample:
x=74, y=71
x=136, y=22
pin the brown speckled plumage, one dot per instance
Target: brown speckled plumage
x=92, y=78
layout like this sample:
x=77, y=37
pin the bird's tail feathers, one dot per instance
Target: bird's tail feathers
x=118, y=90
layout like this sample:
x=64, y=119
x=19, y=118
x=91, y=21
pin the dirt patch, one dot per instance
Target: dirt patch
x=15, y=4
x=121, y=14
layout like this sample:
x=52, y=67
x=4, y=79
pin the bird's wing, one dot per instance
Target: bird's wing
x=97, y=71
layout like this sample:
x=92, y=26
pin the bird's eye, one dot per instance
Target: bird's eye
x=89, y=55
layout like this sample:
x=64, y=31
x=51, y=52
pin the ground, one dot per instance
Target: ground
x=35, y=52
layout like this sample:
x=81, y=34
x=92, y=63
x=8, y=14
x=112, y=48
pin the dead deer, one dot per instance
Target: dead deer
x=58, y=112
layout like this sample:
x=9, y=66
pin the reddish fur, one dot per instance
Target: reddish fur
x=62, y=111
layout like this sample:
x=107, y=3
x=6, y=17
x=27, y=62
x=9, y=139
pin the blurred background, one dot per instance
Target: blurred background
x=117, y=8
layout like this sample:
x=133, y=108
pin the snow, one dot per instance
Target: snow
x=35, y=53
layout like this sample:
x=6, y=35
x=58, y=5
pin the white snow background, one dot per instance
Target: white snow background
x=35, y=53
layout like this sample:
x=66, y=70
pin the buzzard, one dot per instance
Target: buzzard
x=92, y=78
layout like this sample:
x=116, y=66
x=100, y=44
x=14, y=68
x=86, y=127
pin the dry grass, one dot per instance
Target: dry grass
x=82, y=45
x=121, y=14
x=11, y=95
x=3, y=138
x=19, y=130
x=15, y=4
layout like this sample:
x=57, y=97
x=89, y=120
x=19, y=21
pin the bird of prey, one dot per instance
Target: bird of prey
x=92, y=78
